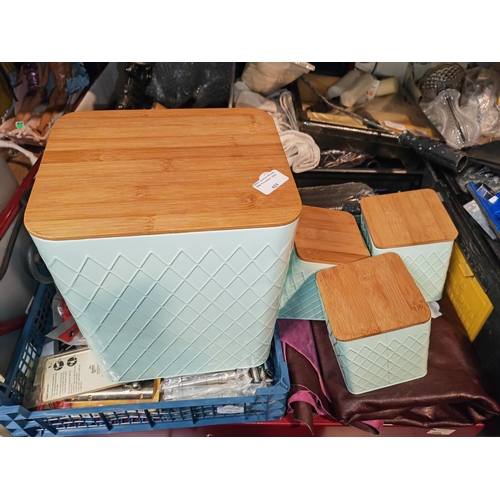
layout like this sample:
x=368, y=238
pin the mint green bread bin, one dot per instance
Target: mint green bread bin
x=416, y=226
x=168, y=234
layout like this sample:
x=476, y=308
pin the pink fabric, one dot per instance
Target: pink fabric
x=298, y=334
x=375, y=424
x=308, y=396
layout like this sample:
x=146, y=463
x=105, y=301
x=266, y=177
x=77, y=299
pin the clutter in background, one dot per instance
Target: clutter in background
x=383, y=70
x=475, y=212
x=488, y=202
x=42, y=92
x=333, y=158
x=69, y=372
x=462, y=103
x=402, y=131
x=301, y=151
x=196, y=85
x=357, y=87
x=479, y=173
x=344, y=197
x=267, y=77
x=483, y=184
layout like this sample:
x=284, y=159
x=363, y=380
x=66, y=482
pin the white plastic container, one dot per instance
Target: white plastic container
x=347, y=81
x=378, y=322
x=359, y=89
x=416, y=226
x=325, y=238
x=168, y=257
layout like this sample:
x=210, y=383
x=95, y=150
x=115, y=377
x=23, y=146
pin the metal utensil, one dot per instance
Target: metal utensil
x=436, y=80
x=431, y=149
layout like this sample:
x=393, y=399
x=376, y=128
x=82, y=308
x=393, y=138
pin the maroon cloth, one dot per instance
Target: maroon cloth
x=299, y=337
x=453, y=393
x=298, y=334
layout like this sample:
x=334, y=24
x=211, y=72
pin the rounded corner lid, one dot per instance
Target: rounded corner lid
x=328, y=237
x=408, y=218
x=371, y=296
x=142, y=172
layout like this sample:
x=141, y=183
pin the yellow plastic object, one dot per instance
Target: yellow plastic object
x=470, y=301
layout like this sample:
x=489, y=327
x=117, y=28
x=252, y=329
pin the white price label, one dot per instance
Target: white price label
x=493, y=199
x=441, y=432
x=270, y=181
x=230, y=410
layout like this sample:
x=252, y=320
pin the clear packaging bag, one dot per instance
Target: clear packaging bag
x=64, y=375
x=480, y=93
x=475, y=212
x=457, y=124
x=267, y=77
x=337, y=197
x=479, y=174
x=333, y=158
x=212, y=385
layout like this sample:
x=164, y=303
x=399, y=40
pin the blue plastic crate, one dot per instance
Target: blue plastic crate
x=29, y=346
x=267, y=404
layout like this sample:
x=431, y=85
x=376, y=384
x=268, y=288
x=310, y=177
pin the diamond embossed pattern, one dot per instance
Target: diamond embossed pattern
x=428, y=264
x=383, y=360
x=300, y=297
x=305, y=303
x=148, y=310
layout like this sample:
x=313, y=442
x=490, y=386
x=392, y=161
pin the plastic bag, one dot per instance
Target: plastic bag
x=344, y=197
x=475, y=212
x=480, y=92
x=212, y=385
x=458, y=125
x=332, y=158
x=479, y=174
x=266, y=77
x=191, y=84
x=64, y=375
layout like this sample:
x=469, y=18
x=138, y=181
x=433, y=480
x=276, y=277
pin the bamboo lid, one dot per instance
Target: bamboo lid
x=328, y=237
x=409, y=218
x=371, y=296
x=142, y=172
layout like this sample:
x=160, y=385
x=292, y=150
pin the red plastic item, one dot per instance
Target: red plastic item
x=286, y=427
x=11, y=325
x=9, y=213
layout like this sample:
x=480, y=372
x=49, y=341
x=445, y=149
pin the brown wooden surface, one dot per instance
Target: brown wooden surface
x=328, y=237
x=371, y=296
x=136, y=172
x=409, y=218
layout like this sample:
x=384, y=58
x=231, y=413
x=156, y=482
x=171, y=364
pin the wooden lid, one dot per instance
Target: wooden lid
x=328, y=237
x=140, y=172
x=371, y=296
x=409, y=218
